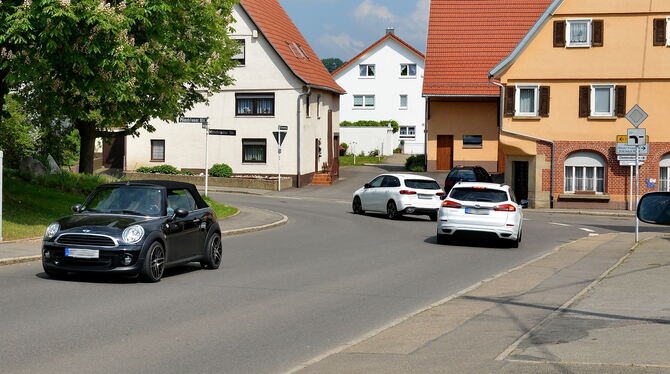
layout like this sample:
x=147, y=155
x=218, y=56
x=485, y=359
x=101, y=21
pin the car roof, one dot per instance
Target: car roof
x=493, y=186
x=411, y=176
x=167, y=184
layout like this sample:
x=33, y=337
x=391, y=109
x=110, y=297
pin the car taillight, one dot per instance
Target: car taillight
x=451, y=204
x=407, y=192
x=505, y=208
x=440, y=194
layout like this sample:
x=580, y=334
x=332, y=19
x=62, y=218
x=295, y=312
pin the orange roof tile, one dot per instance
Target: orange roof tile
x=373, y=46
x=286, y=39
x=467, y=38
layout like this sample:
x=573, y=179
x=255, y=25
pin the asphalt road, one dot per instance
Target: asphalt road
x=282, y=296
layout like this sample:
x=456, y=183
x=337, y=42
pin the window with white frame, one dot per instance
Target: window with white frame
x=408, y=70
x=527, y=100
x=366, y=70
x=578, y=33
x=407, y=132
x=664, y=175
x=602, y=100
x=240, y=56
x=403, y=101
x=364, y=101
x=584, y=171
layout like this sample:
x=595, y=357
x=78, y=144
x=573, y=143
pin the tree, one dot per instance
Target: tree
x=17, y=136
x=332, y=63
x=112, y=64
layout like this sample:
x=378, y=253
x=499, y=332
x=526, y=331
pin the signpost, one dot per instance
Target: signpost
x=205, y=125
x=636, y=137
x=279, y=137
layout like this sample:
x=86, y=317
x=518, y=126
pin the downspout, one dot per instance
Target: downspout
x=425, y=133
x=550, y=142
x=306, y=91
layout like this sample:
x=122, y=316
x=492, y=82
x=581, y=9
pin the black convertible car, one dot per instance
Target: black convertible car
x=134, y=228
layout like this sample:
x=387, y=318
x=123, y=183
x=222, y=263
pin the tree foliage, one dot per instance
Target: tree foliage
x=17, y=135
x=115, y=64
x=363, y=123
x=332, y=63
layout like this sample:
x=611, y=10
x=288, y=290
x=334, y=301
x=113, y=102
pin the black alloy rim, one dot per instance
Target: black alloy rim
x=157, y=262
x=216, y=250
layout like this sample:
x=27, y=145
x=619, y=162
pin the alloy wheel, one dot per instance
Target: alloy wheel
x=157, y=262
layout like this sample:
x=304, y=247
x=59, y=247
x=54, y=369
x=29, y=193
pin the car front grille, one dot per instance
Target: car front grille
x=86, y=240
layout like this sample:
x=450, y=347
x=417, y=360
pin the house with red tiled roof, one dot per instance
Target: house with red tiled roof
x=466, y=39
x=383, y=82
x=279, y=81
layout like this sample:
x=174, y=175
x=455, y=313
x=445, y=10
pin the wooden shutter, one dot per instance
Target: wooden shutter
x=584, y=101
x=510, y=96
x=597, y=33
x=620, y=101
x=659, y=31
x=544, y=101
x=559, y=33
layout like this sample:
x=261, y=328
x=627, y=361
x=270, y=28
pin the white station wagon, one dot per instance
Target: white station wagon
x=481, y=207
x=399, y=194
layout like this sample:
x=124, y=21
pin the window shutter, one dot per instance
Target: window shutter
x=659, y=31
x=597, y=31
x=620, y=101
x=544, y=101
x=584, y=101
x=559, y=33
x=510, y=95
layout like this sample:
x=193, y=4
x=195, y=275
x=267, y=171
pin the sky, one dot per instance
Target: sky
x=343, y=28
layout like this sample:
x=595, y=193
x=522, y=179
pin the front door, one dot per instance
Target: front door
x=185, y=238
x=520, y=180
x=445, y=152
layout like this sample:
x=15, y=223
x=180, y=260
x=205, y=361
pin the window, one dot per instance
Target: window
x=307, y=100
x=472, y=141
x=527, y=101
x=318, y=106
x=158, y=150
x=390, y=181
x=180, y=198
x=422, y=184
x=254, y=150
x=255, y=104
x=364, y=101
x=240, y=57
x=578, y=33
x=408, y=70
x=297, y=50
x=602, y=100
x=366, y=71
x=377, y=182
x=403, y=101
x=664, y=180
x=584, y=171
x=479, y=195
x=407, y=132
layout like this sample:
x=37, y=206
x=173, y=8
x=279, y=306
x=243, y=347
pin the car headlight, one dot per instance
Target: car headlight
x=133, y=234
x=52, y=230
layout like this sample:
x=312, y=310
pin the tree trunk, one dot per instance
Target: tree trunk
x=87, y=148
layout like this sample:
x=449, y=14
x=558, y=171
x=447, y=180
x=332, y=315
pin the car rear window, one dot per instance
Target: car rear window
x=463, y=174
x=476, y=194
x=422, y=184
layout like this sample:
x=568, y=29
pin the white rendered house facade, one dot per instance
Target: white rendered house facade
x=271, y=89
x=384, y=82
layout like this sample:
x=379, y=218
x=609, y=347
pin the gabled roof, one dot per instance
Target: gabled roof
x=467, y=38
x=286, y=39
x=388, y=36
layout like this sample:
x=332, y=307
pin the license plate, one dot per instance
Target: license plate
x=481, y=212
x=82, y=253
x=425, y=197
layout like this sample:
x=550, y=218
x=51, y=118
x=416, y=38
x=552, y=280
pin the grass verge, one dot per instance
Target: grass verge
x=360, y=160
x=222, y=210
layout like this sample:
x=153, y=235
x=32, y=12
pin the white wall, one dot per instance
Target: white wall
x=387, y=86
x=368, y=139
x=264, y=72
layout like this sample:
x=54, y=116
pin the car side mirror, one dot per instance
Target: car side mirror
x=524, y=204
x=76, y=208
x=180, y=212
x=654, y=208
x=367, y=185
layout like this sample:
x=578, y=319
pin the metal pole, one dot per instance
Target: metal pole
x=1, y=195
x=354, y=151
x=206, y=157
x=637, y=191
x=630, y=190
x=279, y=166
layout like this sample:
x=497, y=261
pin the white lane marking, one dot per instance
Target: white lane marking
x=593, y=234
x=559, y=224
x=587, y=230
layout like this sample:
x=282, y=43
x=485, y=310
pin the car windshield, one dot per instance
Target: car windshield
x=463, y=174
x=479, y=195
x=422, y=184
x=141, y=201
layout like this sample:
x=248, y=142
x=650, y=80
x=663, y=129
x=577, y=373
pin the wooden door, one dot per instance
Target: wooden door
x=445, y=152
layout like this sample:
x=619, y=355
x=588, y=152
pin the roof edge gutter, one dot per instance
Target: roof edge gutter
x=550, y=142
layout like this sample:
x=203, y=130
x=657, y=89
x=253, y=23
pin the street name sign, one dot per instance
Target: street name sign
x=625, y=149
x=636, y=116
x=637, y=136
x=283, y=128
x=193, y=119
x=630, y=158
x=629, y=163
x=222, y=132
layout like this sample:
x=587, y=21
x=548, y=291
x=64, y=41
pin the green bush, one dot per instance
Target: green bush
x=221, y=170
x=416, y=163
x=394, y=125
x=158, y=169
x=68, y=182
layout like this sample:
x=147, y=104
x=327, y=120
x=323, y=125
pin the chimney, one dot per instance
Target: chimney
x=390, y=30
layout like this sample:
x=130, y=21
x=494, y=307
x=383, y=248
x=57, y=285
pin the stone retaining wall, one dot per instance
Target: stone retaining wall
x=258, y=184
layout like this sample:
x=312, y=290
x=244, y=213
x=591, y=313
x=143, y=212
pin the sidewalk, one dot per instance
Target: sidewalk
x=247, y=220
x=586, y=212
x=592, y=306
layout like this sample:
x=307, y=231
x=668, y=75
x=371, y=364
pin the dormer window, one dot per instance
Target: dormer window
x=366, y=70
